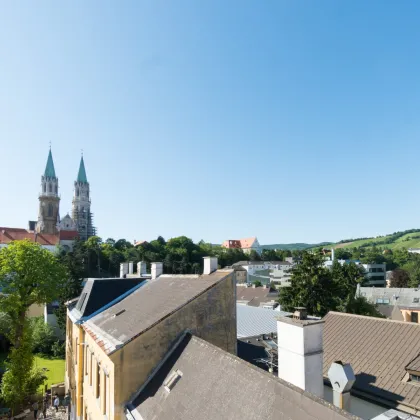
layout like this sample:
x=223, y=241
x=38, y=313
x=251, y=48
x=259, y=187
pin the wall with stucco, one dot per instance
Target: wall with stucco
x=94, y=359
x=211, y=316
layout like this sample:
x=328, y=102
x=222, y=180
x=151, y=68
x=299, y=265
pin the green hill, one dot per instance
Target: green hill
x=290, y=247
x=397, y=240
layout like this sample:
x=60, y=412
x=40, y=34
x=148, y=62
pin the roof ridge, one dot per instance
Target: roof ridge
x=371, y=318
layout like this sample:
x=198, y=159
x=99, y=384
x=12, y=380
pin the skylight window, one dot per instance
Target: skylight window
x=172, y=379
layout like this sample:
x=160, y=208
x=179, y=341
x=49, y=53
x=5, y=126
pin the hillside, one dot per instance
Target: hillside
x=397, y=240
x=298, y=246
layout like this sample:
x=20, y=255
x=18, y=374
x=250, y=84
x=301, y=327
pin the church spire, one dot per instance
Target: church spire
x=81, y=176
x=49, y=169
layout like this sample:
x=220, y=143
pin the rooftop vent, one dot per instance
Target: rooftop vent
x=172, y=379
x=300, y=313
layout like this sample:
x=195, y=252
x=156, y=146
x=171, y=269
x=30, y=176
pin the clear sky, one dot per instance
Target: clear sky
x=295, y=121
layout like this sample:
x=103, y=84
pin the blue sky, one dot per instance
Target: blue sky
x=295, y=121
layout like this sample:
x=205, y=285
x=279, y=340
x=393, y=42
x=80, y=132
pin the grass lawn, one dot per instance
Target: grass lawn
x=55, y=369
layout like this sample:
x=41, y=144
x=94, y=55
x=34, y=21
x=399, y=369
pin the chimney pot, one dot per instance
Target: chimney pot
x=300, y=313
x=130, y=267
x=123, y=269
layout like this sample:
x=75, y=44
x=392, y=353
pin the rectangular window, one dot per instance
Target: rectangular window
x=91, y=369
x=415, y=378
x=86, y=360
x=379, y=301
x=98, y=381
x=414, y=317
x=76, y=350
x=105, y=399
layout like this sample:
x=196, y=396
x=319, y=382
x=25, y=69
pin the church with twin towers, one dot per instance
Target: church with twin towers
x=49, y=221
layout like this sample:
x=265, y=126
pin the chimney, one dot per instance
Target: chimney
x=332, y=254
x=300, y=351
x=130, y=267
x=210, y=265
x=141, y=268
x=342, y=379
x=157, y=270
x=123, y=269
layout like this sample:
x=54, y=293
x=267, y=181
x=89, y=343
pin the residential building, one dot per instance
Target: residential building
x=197, y=380
x=263, y=271
x=399, y=304
x=97, y=294
x=263, y=297
x=247, y=244
x=414, y=250
x=126, y=340
x=375, y=274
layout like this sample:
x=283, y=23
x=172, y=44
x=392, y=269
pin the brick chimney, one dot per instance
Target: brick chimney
x=300, y=351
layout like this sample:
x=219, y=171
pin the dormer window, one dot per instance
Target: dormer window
x=415, y=378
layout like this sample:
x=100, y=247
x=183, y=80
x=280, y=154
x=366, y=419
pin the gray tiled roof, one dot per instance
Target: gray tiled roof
x=404, y=297
x=254, y=321
x=216, y=385
x=255, y=295
x=149, y=304
x=378, y=350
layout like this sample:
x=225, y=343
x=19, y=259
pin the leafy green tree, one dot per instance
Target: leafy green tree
x=361, y=306
x=312, y=286
x=43, y=337
x=413, y=269
x=257, y=283
x=399, y=278
x=29, y=275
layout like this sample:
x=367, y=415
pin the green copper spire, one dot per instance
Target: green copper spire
x=81, y=176
x=49, y=169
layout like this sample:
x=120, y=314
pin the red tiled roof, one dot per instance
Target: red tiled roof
x=8, y=235
x=68, y=235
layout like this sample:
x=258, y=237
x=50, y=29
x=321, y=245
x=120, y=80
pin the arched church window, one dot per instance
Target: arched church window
x=49, y=188
x=50, y=210
x=77, y=192
x=56, y=189
x=44, y=187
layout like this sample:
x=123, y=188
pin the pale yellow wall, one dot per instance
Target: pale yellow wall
x=407, y=314
x=35, y=310
x=93, y=406
x=212, y=316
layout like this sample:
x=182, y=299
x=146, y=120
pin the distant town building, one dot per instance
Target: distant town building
x=414, y=250
x=247, y=244
x=375, y=274
x=264, y=271
x=262, y=297
x=399, y=304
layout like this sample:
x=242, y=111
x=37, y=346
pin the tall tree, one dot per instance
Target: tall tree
x=29, y=275
x=312, y=286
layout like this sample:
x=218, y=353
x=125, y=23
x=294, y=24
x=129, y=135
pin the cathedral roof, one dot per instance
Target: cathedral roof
x=81, y=176
x=49, y=169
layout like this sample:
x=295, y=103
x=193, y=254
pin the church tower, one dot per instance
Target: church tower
x=49, y=201
x=81, y=213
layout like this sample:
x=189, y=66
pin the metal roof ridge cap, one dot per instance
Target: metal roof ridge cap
x=113, y=302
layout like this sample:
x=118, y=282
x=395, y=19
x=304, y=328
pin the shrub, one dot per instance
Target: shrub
x=43, y=337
